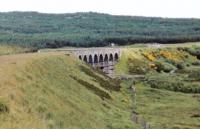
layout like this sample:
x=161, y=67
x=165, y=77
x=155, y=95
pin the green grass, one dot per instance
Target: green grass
x=166, y=110
x=186, y=83
x=122, y=67
x=44, y=91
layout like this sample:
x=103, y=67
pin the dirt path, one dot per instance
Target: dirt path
x=136, y=118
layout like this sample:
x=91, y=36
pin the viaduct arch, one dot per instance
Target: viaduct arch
x=91, y=59
x=103, y=58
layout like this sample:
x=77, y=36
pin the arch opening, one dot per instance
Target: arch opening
x=85, y=58
x=95, y=58
x=80, y=57
x=116, y=57
x=106, y=58
x=101, y=58
x=90, y=59
x=111, y=57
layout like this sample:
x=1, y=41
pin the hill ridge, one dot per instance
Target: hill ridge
x=88, y=29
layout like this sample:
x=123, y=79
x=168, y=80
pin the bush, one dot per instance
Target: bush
x=180, y=65
x=179, y=83
x=3, y=108
x=101, y=93
x=196, y=63
x=176, y=128
x=136, y=66
x=175, y=85
x=195, y=76
x=109, y=84
x=165, y=67
x=195, y=51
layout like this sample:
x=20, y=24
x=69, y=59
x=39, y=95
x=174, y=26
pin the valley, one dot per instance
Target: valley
x=56, y=90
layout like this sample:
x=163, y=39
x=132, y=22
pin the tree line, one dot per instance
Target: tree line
x=39, y=30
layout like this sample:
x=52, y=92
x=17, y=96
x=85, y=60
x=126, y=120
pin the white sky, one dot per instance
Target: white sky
x=161, y=8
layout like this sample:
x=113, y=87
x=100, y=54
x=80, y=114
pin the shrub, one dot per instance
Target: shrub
x=195, y=51
x=196, y=63
x=195, y=76
x=173, y=82
x=149, y=56
x=195, y=115
x=175, y=85
x=165, y=67
x=41, y=109
x=3, y=108
x=180, y=65
x=109, y=84
x=188, y=65
x=176, y=128
x=102, y=94
x=159, y=66
x=136, y=66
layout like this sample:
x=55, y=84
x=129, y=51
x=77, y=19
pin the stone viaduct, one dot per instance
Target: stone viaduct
x=102, y=58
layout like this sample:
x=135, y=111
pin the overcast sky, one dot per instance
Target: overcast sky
x=159, y=8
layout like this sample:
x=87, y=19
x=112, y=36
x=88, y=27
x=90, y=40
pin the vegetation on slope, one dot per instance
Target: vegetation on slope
x=55, y=91
x=168, y=96
x=92, y=29
x=168, y=110
x=13, y=49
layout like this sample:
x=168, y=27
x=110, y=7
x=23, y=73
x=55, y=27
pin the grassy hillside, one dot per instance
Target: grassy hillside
x=168, y=110
x=13, y=49
x=92, y=29
x=55, y=91
x=169, y=95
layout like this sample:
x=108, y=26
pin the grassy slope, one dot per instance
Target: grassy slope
x=12, y=49
x=40, y=93
x=162, y=108
x=165, y=109
x=122, y=66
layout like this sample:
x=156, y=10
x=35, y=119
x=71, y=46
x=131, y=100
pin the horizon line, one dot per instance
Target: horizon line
x=125, y=15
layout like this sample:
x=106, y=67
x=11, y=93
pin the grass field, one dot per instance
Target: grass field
x=169, y=96
x=56, y=91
